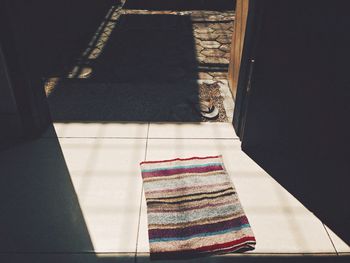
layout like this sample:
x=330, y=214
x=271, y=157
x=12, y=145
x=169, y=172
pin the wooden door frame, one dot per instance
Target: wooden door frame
x=239, y=28
x=245, y=68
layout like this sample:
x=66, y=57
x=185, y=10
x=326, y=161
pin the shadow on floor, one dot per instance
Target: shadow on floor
x=40, y=209
x=302, y=172
x=297, y=114
x=140, y=68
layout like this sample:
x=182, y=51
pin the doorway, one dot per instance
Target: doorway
x=149, y=62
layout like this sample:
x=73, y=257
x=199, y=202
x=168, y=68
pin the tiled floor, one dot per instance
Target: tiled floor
x=77, y=196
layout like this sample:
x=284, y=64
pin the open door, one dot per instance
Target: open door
x=245, y=37
x=241, y=14
x=292, y=109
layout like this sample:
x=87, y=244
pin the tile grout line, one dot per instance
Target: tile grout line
x=140, y=138
x=335, y=249
x=189, y=138
x=248, y=254
x=138, y=226
x=95, y=137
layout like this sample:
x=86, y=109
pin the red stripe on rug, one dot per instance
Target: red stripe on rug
x=247, y=245
x=225, y=245
x=199, y=229
x=181, y=159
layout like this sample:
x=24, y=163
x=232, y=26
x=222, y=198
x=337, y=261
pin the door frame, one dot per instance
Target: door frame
x=239, y=28
x=246, y=77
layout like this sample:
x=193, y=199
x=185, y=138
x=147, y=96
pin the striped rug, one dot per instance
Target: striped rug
x=193, y=209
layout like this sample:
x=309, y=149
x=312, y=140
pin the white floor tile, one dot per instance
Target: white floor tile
x=339, y=244
x=83, y=195
x=288, y=231
x=280, y=222
x=192, y=130
x=106, y=177
x=143, y=244
x=100, y=130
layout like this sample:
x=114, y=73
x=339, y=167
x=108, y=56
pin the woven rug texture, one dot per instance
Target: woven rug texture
x=193, y=209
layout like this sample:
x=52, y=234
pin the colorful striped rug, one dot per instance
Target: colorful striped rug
x=193, y=209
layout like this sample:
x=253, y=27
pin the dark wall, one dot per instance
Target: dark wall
x=39, y=39
x=50, y=34
x=9, y=119
x=297, y=118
